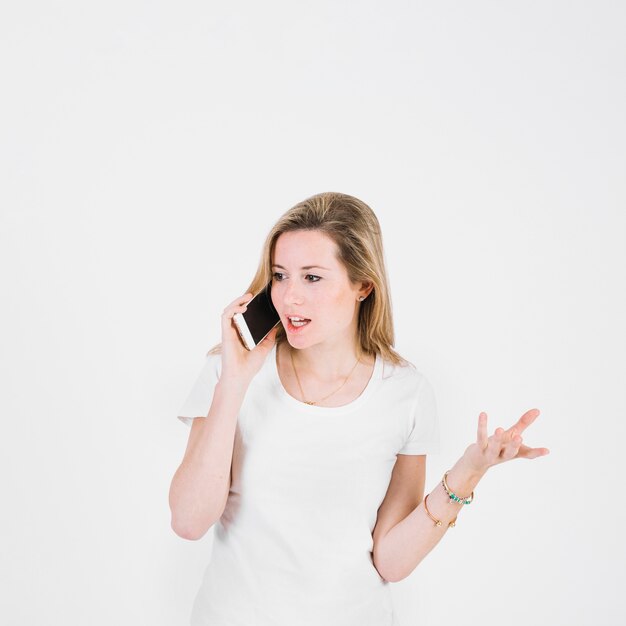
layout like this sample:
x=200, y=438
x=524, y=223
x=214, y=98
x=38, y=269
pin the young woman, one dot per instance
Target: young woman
x=308, y=452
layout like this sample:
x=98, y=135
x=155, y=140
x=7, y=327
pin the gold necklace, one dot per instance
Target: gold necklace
x=330, y=394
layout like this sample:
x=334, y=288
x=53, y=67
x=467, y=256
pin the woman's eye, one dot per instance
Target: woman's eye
x=279, y=277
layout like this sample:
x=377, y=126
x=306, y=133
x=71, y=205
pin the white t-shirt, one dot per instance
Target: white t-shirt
x=294, y=544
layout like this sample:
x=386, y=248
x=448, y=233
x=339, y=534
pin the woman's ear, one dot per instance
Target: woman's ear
x=366, y=289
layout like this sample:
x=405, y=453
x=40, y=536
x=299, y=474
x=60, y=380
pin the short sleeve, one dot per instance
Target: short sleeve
x=198, y=401
x=424, y=434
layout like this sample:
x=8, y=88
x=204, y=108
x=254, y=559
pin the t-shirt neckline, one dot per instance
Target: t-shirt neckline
x=325, y=410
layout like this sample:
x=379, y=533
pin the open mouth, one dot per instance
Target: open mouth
x=295, y=323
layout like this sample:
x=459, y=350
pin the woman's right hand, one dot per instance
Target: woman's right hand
x=240, y=365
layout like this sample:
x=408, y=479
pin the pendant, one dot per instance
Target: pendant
x=309, y=402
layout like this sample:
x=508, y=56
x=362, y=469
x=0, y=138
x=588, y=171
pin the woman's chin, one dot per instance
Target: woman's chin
x=298, y=342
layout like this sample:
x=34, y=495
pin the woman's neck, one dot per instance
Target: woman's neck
x=325, y=363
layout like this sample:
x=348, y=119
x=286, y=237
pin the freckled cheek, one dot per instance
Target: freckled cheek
x=342, y=311
x=277, y=296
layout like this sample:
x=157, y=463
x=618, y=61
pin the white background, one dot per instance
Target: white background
x=146, y=148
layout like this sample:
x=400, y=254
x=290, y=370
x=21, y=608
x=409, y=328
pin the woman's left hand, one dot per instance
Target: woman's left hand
x=503, y=445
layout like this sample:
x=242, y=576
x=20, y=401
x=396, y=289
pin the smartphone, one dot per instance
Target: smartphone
x=258, y=319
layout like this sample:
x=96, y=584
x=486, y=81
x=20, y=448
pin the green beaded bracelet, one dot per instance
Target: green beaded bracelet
x=453, y=497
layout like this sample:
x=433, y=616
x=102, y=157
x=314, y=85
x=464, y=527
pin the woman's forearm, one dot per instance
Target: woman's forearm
x=400, y=551
x=200, y=486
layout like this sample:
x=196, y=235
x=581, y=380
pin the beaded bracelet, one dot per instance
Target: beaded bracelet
x=438, y=522
x=453, y=497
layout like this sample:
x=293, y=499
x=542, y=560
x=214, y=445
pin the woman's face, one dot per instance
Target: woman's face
x=308, y=281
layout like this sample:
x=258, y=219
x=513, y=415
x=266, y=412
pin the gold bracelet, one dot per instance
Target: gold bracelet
x=453, y=497
x=451, y=524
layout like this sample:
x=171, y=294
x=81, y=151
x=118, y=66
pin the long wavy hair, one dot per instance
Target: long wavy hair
x=354, y=227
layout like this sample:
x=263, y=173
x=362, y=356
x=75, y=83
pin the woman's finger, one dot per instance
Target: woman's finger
x=236, y=305
x=494, y=443
x=243, y=299
x=526, y=420
x=483, y=437
x=511, y=447
x=500, y=435
x=531, y=453
x=229, y=313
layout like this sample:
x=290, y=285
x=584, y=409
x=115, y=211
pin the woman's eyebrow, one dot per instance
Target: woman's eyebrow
x=306, y=267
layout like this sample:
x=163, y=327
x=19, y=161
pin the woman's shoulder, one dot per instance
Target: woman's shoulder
x=404, y=372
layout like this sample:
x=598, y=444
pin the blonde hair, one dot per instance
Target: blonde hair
x=354, y=227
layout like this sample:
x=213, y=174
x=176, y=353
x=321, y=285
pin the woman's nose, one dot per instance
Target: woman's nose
x=292, y=295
